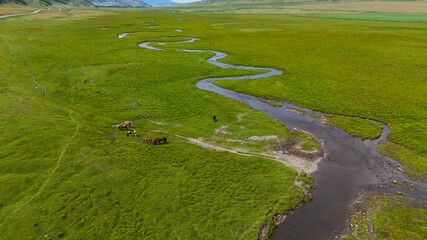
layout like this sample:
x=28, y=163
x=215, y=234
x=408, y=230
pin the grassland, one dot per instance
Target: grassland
x=413, y=7
x=65, y=172
x=357, y=127
x=6, y=9
x=414, y=163
x=303, y=7
x=387, y=217
x=236, y=7
x=371, y=69
x=398, y=17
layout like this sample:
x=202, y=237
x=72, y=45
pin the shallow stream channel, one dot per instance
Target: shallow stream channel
x=351, y=167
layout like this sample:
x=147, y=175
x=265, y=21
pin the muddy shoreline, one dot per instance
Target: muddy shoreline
x=351, y=166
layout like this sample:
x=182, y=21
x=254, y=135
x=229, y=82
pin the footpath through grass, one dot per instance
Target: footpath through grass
x=66, y=173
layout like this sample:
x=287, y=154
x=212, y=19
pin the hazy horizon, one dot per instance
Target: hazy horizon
x=185, y=1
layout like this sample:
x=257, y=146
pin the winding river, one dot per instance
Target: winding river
x=351, y=166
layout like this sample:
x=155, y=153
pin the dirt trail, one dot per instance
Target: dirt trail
x=60, y=157
x=52, y=173
x=34, y=80
x=21, y=14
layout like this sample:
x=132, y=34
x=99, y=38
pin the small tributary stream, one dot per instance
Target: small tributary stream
x=351, y=165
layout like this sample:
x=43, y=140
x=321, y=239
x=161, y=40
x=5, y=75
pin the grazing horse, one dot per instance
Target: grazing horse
x=131, y=133
x=160, y=139
x=127, y=123
x=148, y=140
x=122, y=126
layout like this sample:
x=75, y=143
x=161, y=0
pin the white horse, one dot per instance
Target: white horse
x=131, y=133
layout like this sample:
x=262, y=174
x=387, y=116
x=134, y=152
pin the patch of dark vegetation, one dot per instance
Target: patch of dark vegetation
x=110, y=137
x=134, y=105
x=138, y=117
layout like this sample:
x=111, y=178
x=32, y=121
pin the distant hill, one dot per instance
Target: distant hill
x=155, y=3
x=120, y=3
x=92, y=3
x=269, y=1
x=43, y=3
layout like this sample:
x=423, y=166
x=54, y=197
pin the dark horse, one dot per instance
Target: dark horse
x=159, y=140
x=123, y=126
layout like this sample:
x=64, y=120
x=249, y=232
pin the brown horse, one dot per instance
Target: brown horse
x=159, y=140
x=127, y=123
x=123, y=126
x=148, y=140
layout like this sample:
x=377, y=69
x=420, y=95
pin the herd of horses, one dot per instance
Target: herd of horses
x=132, y=133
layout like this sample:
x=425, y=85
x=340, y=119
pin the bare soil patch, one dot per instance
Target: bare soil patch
x=285, y=151
x=295, y=161
x=296, y=110
x=222, y=129
x=260, y=138
x=292, y=147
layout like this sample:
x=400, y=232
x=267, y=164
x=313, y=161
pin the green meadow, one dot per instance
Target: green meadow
x=370, y=69
x=266, y=6
x=377, y=16
x=65, y=172
x=387, y=217
x=357, y=127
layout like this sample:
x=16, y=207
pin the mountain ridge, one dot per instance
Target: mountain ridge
x=91, y=3
x=120, y=3
x=46, y=3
